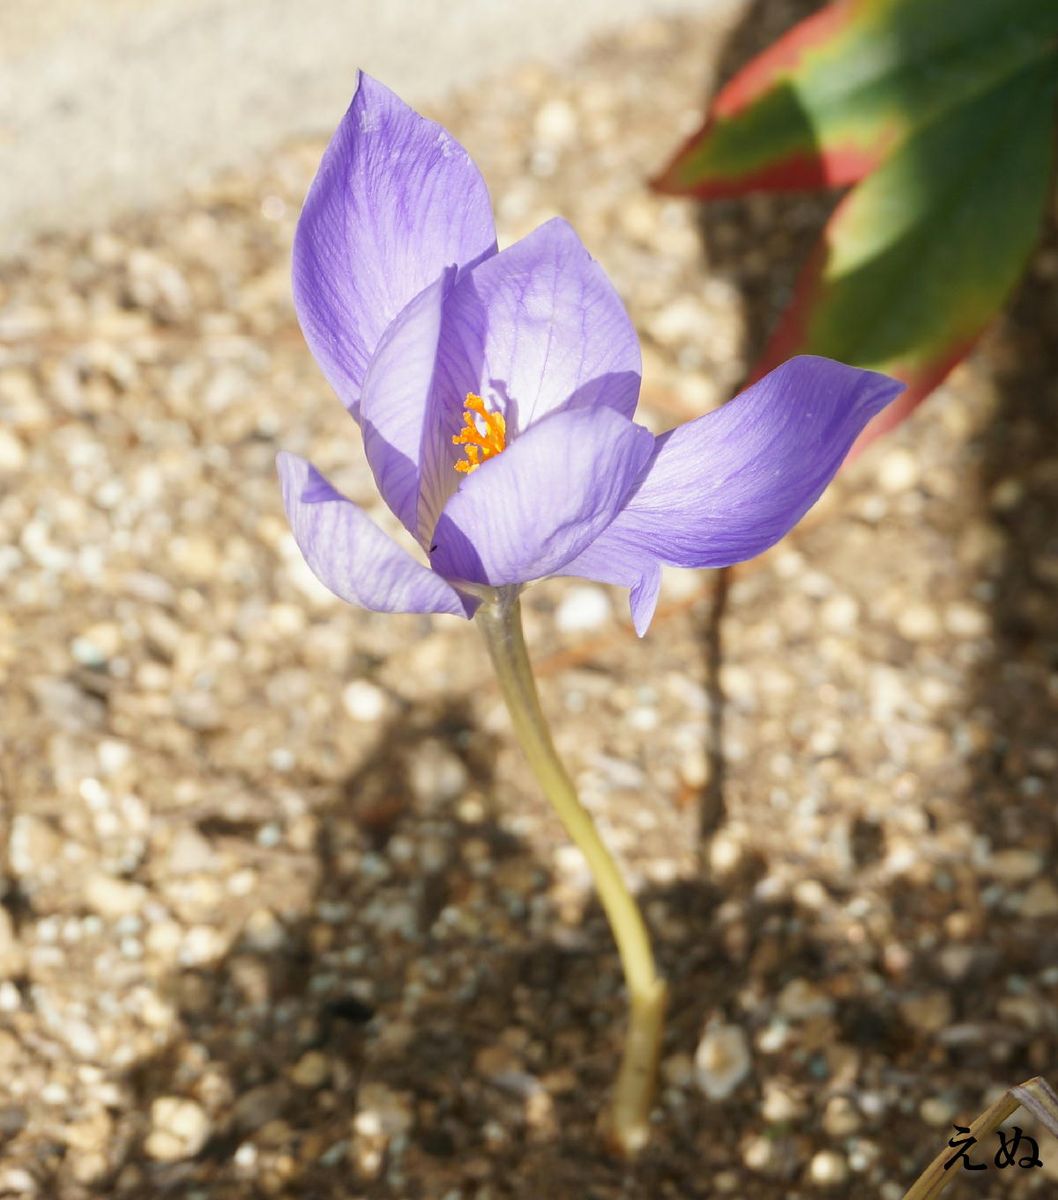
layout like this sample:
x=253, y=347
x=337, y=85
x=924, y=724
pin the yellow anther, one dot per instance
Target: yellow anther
x=483, y=436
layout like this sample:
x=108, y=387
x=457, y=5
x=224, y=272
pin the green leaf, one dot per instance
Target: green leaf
x=843, y=89
x=922, y=253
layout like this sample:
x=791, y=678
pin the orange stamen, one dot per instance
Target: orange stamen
x=479, y=444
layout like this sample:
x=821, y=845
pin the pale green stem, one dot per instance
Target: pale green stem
x=628, y=1126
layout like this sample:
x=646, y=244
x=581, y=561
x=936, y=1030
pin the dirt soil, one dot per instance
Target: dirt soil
x=283, y=915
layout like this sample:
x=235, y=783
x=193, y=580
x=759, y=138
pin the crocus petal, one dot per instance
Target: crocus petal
x=610, y=560
x=541, y=327
x=350, y=555
x=530, y=510
x=728, y=485
x=395, y=201
x=395, y=407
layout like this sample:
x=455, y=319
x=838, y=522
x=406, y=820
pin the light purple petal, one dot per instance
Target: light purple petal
x=528, y=511
x=396, y=409
x=412, y=405
x=395, y=201
x=540, y=326
x=609, y=560
x=730, y=484
x=350, y=555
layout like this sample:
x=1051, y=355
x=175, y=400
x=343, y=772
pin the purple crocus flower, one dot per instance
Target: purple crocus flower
x=496, y=393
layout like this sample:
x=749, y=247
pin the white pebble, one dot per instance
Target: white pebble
x=12, y=452
x=363, y=701
x=556, y=123
x=33, y=848
x=840, y=1118
x=583, y=610
x=436, y=774
x=722, y=1060
x=725, y=853
x=17, y=1181
x=694, y=767
x=179, y=1129
x=898, y=471
x=112, y=897
x=779, y=1105
x=918, y=623
x=202, y=944
x=828, y=1168
x=383, y=1111
x=246, y=1156
x=760, y=1154
x=113, y=756
x=684, y=320
x=967, y=620
x=839, y=613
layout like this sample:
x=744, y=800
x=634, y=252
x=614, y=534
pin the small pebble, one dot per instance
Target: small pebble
x=1014, y=865
x=33, y=849
x=929, y=1013
x=828, y=1169
x=840, y=613
x=967, y=621
x=800, y=1000
x=760, y=1154
x=436, y=774
x=841, y=1118
x=112, y=897
x=312, y=1070
x=179, y=1129
x=364, y=701
x=937, y=1111
x=583, y=610
x=1007, y=495
x=12, y=452
x=780, y=1105
x=918, y=623
x=556, y=123
x=382, y=1109
x=18, y=1182
x=898, y=471
x=722, y=1060
x=1041, y=900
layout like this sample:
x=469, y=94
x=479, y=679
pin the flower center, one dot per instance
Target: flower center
x=483, y=436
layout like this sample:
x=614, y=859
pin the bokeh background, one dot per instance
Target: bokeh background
x=281, y=913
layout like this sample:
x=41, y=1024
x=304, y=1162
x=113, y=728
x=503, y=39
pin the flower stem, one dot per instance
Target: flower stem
x=627, y=1125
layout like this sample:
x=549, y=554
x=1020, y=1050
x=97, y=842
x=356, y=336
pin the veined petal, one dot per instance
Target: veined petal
x=350, y=555
x=609, y=559
x=530, y=510
x=728, y=485
x=541, y=327
x=395, y=201
x=395, y=407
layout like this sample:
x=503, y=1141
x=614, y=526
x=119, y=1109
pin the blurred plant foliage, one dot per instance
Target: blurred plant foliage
x=941, y=115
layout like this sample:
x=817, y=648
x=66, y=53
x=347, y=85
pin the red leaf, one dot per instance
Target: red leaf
x=782, y=57
x=832, y=165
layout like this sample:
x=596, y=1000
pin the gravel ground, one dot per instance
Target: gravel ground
x=283, y=915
